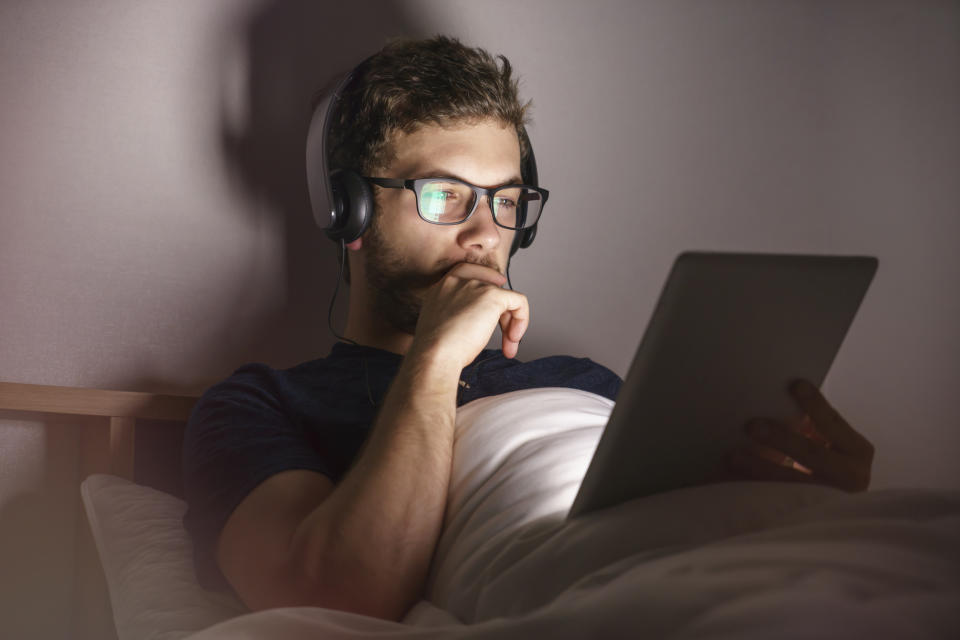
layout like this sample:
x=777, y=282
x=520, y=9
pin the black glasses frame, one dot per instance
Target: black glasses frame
x=415, y=184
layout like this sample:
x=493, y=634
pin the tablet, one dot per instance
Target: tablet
x=730, y=332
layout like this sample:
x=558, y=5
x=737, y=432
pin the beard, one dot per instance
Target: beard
x=398, y=289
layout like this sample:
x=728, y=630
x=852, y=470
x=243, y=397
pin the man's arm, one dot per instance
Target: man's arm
x=366, y=544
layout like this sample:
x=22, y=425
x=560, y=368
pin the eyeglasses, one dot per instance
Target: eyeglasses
x=451, y=201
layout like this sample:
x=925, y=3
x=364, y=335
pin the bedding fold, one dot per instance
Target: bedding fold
x=732, y=560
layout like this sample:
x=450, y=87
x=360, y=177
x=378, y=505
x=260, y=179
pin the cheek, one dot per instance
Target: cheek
x=420, y=244
x=506, y=241
x=391, y=219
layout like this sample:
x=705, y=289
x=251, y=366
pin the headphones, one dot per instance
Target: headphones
x=342, y=201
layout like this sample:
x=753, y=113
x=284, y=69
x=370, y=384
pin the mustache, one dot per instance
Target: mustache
x=427, y=280
x=446, y=265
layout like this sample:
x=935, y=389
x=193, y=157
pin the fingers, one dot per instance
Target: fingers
x=824, y=463
x=472, y=271
x=513, y=324
x=515, y=319
x=775, y=456
x=822, y=447
x=813, y=455
x=510, y=347
x=830, y=423
x=464, y=308
x=754, y=467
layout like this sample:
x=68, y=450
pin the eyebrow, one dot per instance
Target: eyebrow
x=433, y=172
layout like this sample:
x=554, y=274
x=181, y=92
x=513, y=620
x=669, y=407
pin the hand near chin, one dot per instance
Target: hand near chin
x=822, y=448
x=461, y=312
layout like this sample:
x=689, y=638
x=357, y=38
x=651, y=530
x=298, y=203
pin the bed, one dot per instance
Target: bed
x=730, y=560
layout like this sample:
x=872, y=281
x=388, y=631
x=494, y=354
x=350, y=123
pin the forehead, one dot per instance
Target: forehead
x=486, y=153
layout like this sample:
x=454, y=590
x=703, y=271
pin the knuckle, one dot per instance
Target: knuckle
x=487, y=294
x=487, y=289
x=449, y=280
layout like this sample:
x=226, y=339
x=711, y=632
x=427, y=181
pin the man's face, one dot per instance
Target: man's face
x=404, y=255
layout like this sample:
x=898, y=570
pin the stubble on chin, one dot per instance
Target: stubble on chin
x=397, y=288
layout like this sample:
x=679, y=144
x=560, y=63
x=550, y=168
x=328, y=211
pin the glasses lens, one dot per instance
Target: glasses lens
x=444, y=202
x=517, y=207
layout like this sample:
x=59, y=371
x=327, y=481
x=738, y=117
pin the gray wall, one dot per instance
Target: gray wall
x=154, y=230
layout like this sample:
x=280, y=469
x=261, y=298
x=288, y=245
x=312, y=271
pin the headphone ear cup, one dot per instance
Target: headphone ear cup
x=528, y=171
x=352, y=206
x=528, y=235
x=523, y=239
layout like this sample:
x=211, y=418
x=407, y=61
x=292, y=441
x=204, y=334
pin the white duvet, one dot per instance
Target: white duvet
x=734, y=560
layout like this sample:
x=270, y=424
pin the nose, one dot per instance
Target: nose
x=480, y=232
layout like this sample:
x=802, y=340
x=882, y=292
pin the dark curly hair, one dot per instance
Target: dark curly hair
x=414, y=82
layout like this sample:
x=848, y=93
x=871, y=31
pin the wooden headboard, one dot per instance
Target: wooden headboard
x=134, y=435
x=140, y=435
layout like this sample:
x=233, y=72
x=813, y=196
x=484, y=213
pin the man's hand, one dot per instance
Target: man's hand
x=822, y=448
x=460, y=313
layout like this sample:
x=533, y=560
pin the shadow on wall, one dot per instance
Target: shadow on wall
x=293, y=49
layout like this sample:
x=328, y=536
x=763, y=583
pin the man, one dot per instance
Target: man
x=325, y=484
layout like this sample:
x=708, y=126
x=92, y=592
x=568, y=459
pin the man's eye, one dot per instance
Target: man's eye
x=441, y=194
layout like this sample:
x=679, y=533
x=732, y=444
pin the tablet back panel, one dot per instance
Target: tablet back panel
x=728, y=335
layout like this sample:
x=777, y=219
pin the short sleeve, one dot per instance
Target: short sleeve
x=238, y=435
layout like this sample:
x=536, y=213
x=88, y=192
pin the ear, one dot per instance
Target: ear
x=356, y=244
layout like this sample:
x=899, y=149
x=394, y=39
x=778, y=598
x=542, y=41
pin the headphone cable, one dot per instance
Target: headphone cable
x=333, y=300
x=336, y=290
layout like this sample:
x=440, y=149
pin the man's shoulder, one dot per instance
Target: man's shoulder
x=260, y=387
x=255, y=380
x=332, y=388
x=257, y=376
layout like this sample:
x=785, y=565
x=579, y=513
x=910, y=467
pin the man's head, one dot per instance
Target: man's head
x=410, y=83
x=430, y=108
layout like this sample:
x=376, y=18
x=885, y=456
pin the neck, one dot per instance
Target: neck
x=369, y=329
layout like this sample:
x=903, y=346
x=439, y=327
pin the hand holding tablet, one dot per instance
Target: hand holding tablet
x=730, y=334
x=820, y=448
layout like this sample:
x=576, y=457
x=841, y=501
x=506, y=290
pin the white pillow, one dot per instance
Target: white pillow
x=147, y=559
x=518, y=461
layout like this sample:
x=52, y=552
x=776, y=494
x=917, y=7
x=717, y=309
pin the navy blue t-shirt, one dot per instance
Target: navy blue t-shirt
x=261, y=421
